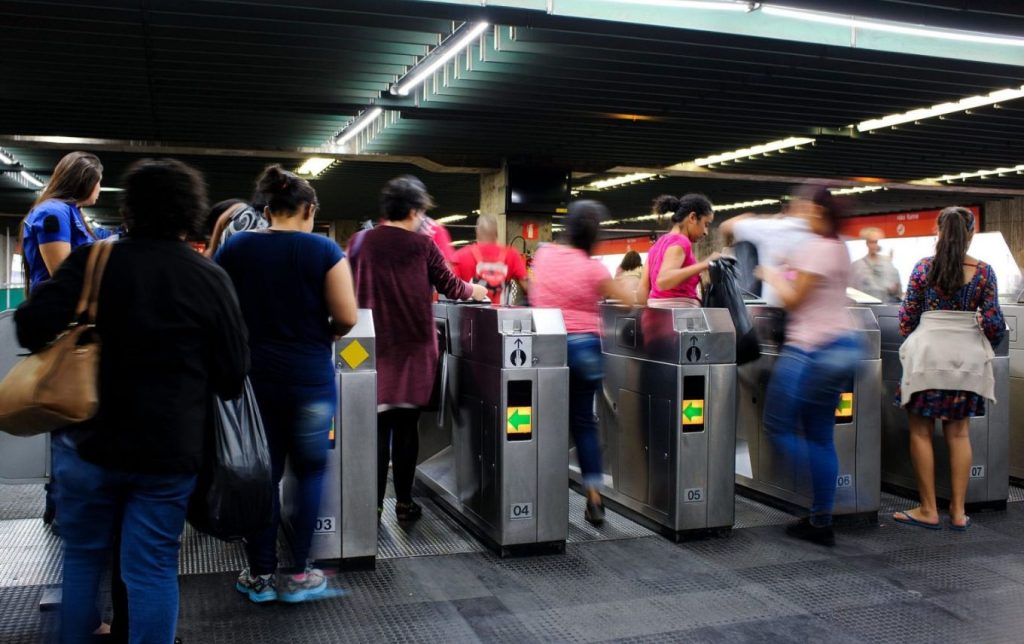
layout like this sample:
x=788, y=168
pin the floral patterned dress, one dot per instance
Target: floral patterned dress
x=980, y=294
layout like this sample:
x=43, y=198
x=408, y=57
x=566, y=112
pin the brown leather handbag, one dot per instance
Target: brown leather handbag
x=58, y=385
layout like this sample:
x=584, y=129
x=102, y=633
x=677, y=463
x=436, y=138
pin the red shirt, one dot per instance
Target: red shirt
x=469, y=262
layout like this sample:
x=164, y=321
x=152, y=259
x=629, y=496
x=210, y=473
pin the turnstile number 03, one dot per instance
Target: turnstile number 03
x=346, y=526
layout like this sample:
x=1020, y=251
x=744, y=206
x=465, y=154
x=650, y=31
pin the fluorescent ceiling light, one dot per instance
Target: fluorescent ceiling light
x=357, y=125
x=6, y=159
x=616, y=182
x=890, y=27
x=962, y=105
x=460, y=242
x=744, y=153
x=977, y=174
x=747, y=204
x=450, y=219
x=728, y=5
x=31, y=178
x=314, y=166
x=437, y=57
x=856, y=190
x=110, y=189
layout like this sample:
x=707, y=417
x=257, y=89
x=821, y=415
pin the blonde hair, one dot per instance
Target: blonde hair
x=872, y=233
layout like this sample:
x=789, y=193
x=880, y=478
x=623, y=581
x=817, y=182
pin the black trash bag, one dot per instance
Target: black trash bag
x=234, y=495
x=725, y=293
x=746, y=262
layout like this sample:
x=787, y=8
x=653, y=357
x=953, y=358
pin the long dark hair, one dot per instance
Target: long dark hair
x=284, y=191
x=631, y=260
x=956, y=225
x=583, y=223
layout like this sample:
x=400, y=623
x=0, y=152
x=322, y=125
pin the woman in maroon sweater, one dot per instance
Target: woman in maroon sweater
x=395, y=270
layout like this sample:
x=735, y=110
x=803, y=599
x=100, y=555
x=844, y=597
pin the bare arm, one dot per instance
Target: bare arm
x=792, y=294
x=726, y=228
x=615, y=290
x=671, y=277
x=54, y=254
x=340, y=295
x=643, y=289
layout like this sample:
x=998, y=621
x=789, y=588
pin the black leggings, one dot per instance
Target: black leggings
x=398, y=443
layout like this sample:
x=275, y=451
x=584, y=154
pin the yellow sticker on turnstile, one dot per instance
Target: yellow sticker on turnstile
x=845, y=407
x=693, y=412
x=354, y=354
x=518, y=420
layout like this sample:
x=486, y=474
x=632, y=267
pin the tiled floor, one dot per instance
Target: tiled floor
x=888, y=583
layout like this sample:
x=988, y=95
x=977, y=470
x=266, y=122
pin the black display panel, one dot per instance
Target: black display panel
x=537, y=189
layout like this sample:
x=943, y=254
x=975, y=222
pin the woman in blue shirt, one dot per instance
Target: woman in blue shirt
x=55, y=226
x=295, y=290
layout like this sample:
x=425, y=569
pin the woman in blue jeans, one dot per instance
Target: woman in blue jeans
x=566, y=277
x=295, y=290
x=172, y=337
x=819, y=356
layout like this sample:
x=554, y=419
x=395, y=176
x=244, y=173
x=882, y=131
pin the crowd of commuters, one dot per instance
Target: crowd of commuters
x=178, y=329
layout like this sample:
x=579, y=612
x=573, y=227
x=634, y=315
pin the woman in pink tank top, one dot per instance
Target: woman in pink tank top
x=672, y=273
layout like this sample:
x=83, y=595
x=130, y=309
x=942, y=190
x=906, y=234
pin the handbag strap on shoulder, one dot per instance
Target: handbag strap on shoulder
x=99, y=253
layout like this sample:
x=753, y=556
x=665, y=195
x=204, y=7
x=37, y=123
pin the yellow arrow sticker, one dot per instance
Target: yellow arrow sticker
x=845, y=407
x=693, y=412
x=354, y=354
x=519, y=420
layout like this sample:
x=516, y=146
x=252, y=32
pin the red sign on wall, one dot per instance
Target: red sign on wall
x=622, y=246
x=531, y=232
x=919, y=223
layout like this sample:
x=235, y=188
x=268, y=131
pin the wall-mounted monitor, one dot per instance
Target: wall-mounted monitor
x=537, y=189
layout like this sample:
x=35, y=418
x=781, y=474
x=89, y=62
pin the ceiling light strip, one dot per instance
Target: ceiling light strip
x=436, y=58
x=618, y=182
x=964, y=104
x=856, y=22
x=726, y=5
x=977, y=174
x=757, y=150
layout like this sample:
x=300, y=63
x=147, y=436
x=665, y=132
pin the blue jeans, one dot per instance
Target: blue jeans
x=297, y=419
x=585, y=373
x=799, y=413
x=150, y=510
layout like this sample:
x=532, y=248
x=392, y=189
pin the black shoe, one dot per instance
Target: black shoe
x=821, y=535
x=410, y=511
x=49, y=513
x=594, y=512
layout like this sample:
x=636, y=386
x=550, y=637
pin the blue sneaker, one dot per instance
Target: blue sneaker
x=259, y=589
x=305, y=586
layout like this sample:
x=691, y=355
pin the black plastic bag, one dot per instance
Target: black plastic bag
x=725, y=293
x=234, y=495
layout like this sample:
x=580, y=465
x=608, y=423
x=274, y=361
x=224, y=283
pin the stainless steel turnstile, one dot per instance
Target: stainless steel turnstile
x=22, y=460
x=346, y=527
x=668, y=417
x=1014, y=314
x=989, y=483
x=502, y=473
x=764, y=473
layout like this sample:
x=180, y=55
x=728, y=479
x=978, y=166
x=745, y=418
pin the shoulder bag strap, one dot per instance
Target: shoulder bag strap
x=87, y=301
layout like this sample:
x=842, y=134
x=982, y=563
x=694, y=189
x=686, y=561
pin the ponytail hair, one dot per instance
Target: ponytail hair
x=956, y=225
x=833, y=208
x=680, y=207
x=284, y=192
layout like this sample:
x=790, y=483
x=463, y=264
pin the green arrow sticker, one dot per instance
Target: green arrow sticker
x=693, y=412
x=845, y=407
x=519, y=420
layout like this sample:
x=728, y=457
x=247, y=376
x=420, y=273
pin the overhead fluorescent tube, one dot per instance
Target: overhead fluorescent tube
x=977, y=174
x=6, y=159
x=615, y=182
x=31, y=178
x=891, y=27
x=856, y=190
x=998, y=96
x=728, y=5
x=314, y=166
x=450, y=219
x=357, y=125
x=438, y=56
x=747, y=204
x=745, y=153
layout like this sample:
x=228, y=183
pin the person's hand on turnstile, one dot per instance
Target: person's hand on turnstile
x=479, y=293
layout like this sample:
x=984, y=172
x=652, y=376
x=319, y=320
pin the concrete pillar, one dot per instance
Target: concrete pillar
x=493, y=191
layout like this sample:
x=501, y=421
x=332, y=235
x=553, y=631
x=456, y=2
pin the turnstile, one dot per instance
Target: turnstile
x=1014, y=314
x=782, y=480
x=346, y=527
x=989, y=483
x=22, y=460
x=667, y=416
x=502, y=472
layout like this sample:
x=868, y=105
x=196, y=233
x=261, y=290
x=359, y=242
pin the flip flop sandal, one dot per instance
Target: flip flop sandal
x=909, y=520
x=960, y=528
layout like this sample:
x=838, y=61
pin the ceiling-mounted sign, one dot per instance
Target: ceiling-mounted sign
x=916, y=223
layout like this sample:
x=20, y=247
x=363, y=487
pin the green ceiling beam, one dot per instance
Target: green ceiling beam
x=759, y=24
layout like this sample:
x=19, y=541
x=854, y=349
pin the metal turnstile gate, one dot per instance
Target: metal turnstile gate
x=22, y=460
x=1014, y=314
x=668, y=417
x=764, y=473
x=346, y=527
x=989, y=483
x=502, y=472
